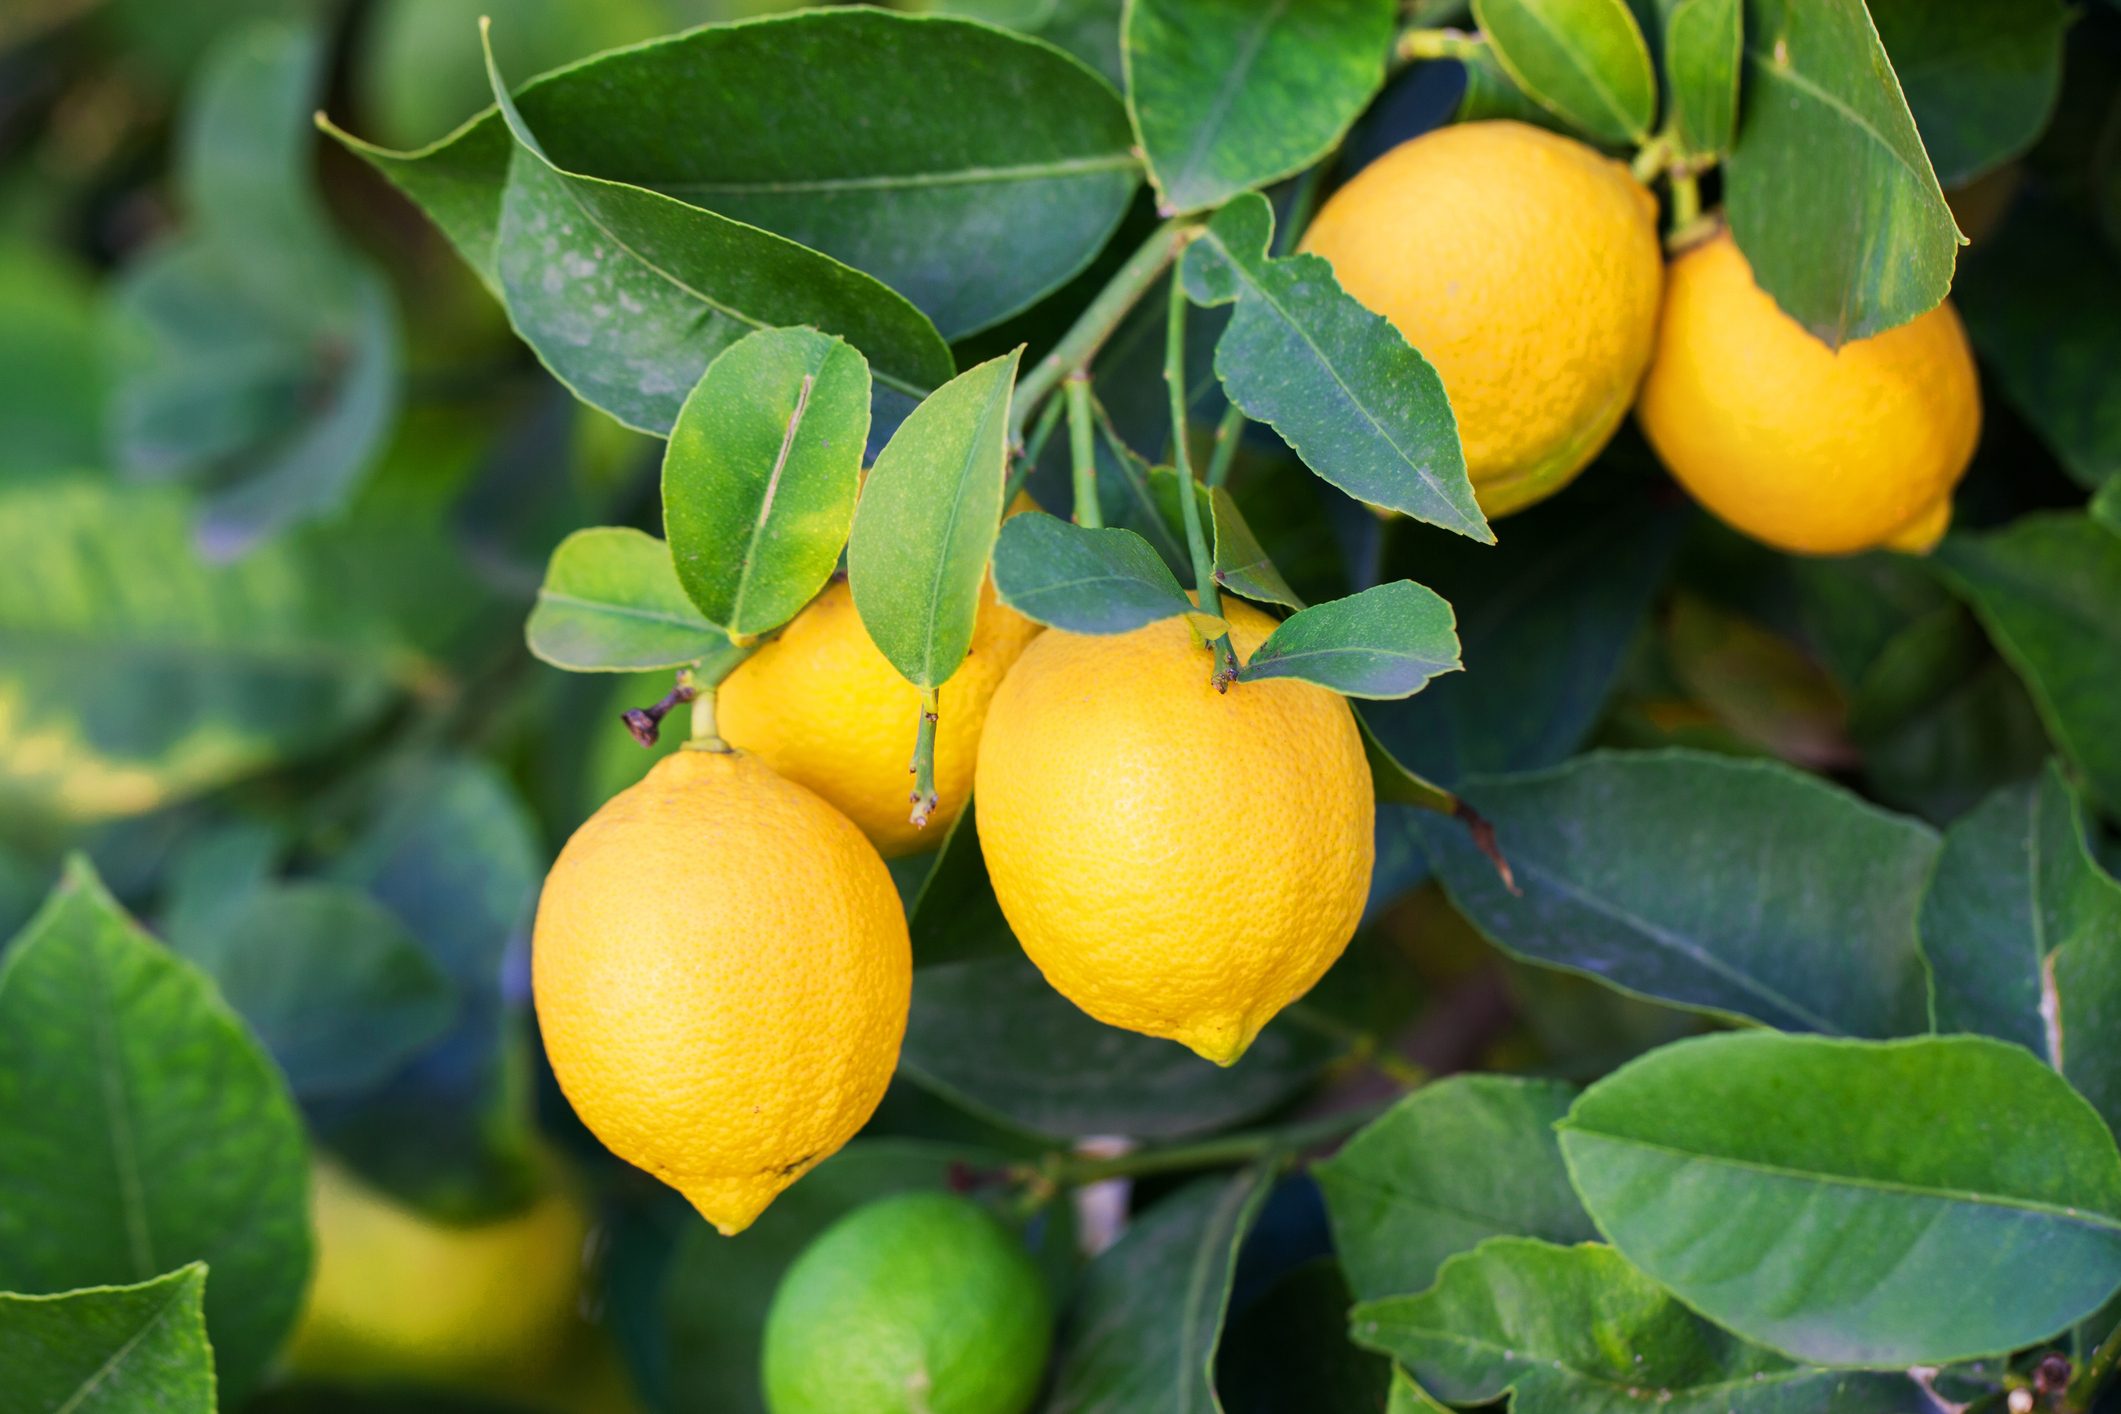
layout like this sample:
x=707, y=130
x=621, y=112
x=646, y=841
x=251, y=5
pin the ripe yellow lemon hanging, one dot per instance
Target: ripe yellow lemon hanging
x=824, y=708
x=1525, y=267
x=1177, y=861
x=399, y=1296
x=1810, y=449
x=722, y=972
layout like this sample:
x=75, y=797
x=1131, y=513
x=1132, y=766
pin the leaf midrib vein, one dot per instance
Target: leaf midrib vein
x=962, y=176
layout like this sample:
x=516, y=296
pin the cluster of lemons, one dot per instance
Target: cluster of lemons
x=722, y=966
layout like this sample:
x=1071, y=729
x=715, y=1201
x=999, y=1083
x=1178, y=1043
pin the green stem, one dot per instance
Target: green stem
x=1228, y=433
x=924, y=797
x=1071, y=1171
x=1082, y=448
x=1417, y=44
x=1096, y=323
x=1026, y=461
x=1652, y=158
x=2084, y=1389
x=704, y=735
x=1188, y=503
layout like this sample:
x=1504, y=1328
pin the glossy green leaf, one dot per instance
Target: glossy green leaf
x=1363, y=409
x=1088, y=29
x=1740, y=888
x=760, y=475
x=1732, y=1170
x=1490, y=92
x=967, y=168
x=333, y=985
x=1083, y=580
x=1584, y=59
x=627, y=294
x=256, y=662
x=713, y=1302
x=993, y=1036
x=145, y=1129
x=2038, y=297
x=611, y=603
x=927, y=521
x=1576, y=1330
x=1448, y=1167
x=1147, y=1317
x=1981, y=79
x=2022, y=930
x=1704, y=50
x=1387, y=641
x=1827, y=187
x=110, y=1349
x=2045, y=587
x=1227, y=95
x=1242, y=565
x=255, y=355
x=1393, y=781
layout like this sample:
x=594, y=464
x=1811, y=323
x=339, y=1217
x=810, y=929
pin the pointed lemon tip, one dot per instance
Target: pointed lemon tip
x=732, y=1206
x=1920, y=535
x=1223, y=1042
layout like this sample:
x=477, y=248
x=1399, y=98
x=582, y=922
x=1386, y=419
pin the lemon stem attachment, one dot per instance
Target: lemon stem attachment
x=1188, y=498
x=1096, y=323
x=1082, y=448
x=704, y=735
x=924, y=797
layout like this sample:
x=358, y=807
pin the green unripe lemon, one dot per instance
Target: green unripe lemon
x=921, y=1303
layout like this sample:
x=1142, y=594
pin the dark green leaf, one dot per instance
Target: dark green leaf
x=1849, y=1202
x=53, y=380
x=256, y=355
x=1088, y=29
x=994, y=1036
x=1576, y=1330
x=2022, y=930
x=252, y=663
x=1740, y=888
x=627, y=295
x=927, y=521
x=1981, y=79
x=1584, y=59
x=760, y=476
x=2045, y=587
x=2038, y=299
x=967, y=168
x=1387, y=641
x=1228, y=95
x=714, y=1301
x=1448, y=1167
x=1242, y=565
x=1828, y=189
x=1289, y=1350
x=110, y=1349
x=1146, y=1321
x=954, y=916
x=1393, y=782
x=1704, y=49
x=145, y=1128
x=611, y=603
x=1363, y=409
x=336, y=989
x=2106, y=506
x=1083, y=580
x=1491, y=93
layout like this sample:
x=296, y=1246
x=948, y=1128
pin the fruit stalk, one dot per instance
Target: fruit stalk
x=1082, y=448
x=1096, y=323
x=924, y=797
x=705, y=736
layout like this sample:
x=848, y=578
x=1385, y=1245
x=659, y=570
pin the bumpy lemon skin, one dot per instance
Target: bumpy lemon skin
x=1812, y=450
x=1526, y=268
x=823, y=707
x=721, y=971
x=1177, y=861
x=398, y=1296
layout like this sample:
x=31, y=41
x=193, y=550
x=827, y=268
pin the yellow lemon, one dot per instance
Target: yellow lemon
x=721, y=972
x=398, y=1296
x=1810, y=449
x=1177, y=861
x=1526, y=269
x=823, y=707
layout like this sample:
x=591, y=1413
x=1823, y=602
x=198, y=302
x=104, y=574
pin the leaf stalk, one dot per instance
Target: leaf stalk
x=1082, y=446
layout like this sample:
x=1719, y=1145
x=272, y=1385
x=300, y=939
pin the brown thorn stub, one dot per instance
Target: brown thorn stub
x=646, y=723
x=1483, y=834
x=2052, y=1374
